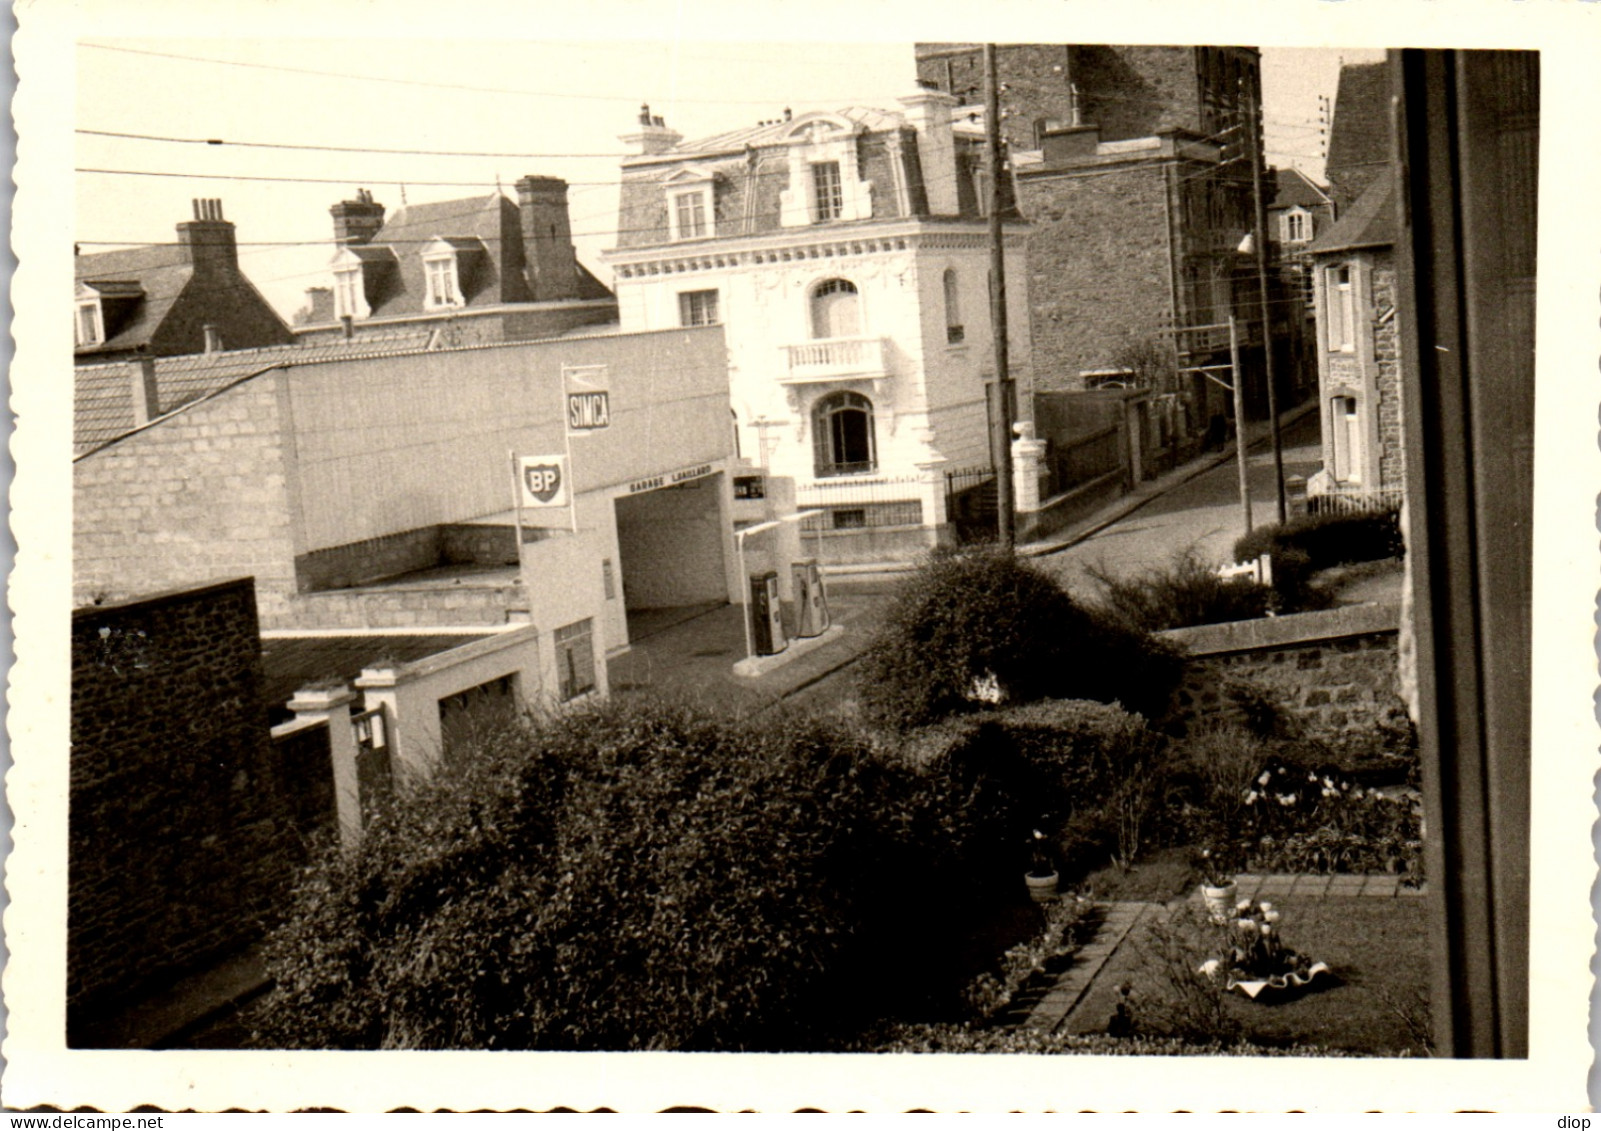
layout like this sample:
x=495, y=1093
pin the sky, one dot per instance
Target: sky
x=503, y=109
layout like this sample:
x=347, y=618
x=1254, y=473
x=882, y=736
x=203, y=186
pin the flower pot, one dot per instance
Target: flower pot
x=1041, y=889
x=1220, y=901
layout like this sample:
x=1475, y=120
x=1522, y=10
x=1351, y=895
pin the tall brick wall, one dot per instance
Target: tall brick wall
x=180, y=832
x=1387, y=376
x=192, y=500
x=1098, y=268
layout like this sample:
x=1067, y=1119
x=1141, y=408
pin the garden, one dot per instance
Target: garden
x=915, y=875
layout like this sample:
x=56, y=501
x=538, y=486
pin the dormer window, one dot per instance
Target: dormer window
x=828, y=198
x=1297, y=226
x=691, y=211
x=349, y=299
x=825, y=179
x=442, y=285
x=89, y=328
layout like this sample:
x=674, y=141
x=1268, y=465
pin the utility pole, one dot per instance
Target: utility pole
x=1235, y=385
x=1254, y=128
x=1005, y=503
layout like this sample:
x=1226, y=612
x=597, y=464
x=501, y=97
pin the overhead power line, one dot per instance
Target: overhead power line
x=217, y=141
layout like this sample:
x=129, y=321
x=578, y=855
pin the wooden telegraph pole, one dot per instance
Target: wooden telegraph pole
x=1001, y=414
x=1259, y=221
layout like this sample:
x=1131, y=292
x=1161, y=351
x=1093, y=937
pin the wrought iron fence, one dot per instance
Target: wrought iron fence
x=971, y=503
x=1345, y=500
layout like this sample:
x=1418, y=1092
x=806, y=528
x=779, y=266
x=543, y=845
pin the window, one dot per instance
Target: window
x=828, y=193
x=842, y=435
x=441, y=282
x=1346, y=425
x=953, y=309
x=1297, y=227
x=1341, y=303
x=88, y=330
x=834, y=310
x=698, y=308
x=348, y=298
x=575, y=659
x=689, y=215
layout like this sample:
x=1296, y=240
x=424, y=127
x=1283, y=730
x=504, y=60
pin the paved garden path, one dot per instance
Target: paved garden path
x=1061, y=1006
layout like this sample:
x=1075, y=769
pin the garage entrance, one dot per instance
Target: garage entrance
x=671, y=541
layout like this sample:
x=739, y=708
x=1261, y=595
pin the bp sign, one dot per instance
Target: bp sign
x=543, y=480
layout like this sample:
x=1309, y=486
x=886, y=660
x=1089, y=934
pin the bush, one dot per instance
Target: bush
x=976, y=628
x=620, y=879
x=1065, y=767
x=644, y=876
x=1185, y=591
x=1303, y=546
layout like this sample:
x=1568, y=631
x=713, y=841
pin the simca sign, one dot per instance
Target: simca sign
x=587, y=412
x=544, y=480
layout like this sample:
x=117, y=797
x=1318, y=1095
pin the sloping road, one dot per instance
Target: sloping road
x=1203, y=514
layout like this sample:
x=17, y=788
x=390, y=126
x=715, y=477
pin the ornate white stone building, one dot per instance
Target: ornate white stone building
x=846, y=256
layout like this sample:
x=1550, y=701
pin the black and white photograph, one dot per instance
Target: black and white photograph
x=975, y=559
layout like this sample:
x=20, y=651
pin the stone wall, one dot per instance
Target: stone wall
x=1328, y=676
x=1098, y=267
x=180, y=832
x=1387, y=376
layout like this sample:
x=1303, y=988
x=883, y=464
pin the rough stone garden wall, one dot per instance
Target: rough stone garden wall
x=1328, y=676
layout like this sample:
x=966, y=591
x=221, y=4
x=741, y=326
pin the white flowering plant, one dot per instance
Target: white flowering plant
x=1305, y=820
x=1253, y=956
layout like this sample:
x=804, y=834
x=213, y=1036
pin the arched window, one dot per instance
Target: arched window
x=953, y=309
x=834, y=310
x=842, y=435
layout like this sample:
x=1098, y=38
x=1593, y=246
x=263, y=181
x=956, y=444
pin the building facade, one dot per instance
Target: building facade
x=846, y=257
x=1359, y=363
x=483, y=269
x=378, y=492
x=163, y=300
x=1132, y=169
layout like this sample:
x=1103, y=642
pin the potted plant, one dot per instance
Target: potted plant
x=1041, y=876
x=1219, y=862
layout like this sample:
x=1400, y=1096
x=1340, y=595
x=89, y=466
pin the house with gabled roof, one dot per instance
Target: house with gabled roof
x=164, y=300
x=482, y=269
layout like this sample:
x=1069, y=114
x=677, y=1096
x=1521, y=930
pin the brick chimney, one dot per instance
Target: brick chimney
x=552, y=265
x=207, y=242
x=357, y=221
x=146, y=398
x=652, y=134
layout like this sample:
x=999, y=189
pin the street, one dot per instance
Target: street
x=1203, y=513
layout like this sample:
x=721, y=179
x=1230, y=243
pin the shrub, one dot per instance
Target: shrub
x=1303, y=546
x=623, y=878
x=1058, y=765
x=970, y=629
x=1185, y=591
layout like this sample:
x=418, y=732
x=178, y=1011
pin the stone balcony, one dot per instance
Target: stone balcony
x=835, y=359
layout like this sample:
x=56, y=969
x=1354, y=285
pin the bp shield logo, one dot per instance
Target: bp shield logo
x=544, y=482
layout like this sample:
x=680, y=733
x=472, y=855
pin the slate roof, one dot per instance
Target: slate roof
x=1293, y=187
x=161, y=274
x=291, y=662
x=1370, y=222
x=490, y=271
x=103, y=396
x=1359, y=136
